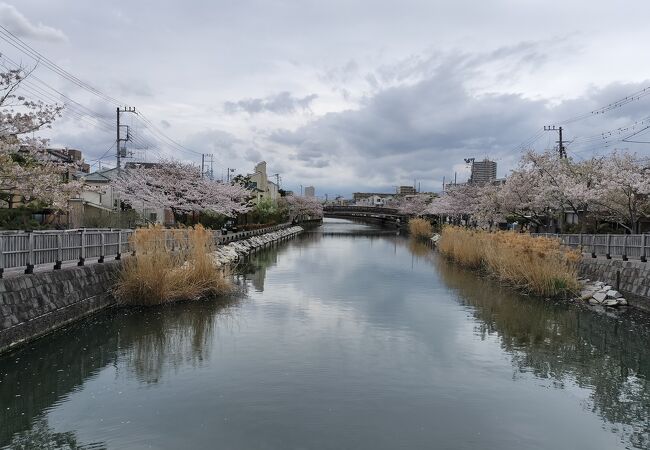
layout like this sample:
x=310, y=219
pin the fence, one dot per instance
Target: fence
x=609, y=245
x=19, y=249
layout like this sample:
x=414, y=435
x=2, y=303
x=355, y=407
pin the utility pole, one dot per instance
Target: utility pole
x=560, y=142
x=118, y=152
x=205, y=158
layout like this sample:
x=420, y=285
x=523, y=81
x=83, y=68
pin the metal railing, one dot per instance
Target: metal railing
x=19, y=249
x=623, y=246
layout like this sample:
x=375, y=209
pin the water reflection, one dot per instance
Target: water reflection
x=342, y=341
x=567, y=344
x=42, y=436
x=147, y=344
x=164, y=340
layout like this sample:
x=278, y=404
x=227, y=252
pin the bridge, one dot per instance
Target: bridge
x=388, y=217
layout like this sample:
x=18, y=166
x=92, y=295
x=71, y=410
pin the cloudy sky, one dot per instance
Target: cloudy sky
x=344, y=95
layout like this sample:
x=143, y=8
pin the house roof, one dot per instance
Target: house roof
x=101, y=176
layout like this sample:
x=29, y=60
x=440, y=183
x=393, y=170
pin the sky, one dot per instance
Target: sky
x=343, y=95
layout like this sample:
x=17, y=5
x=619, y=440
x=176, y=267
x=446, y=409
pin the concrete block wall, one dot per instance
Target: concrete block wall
x=33, y=305
x=634, y=277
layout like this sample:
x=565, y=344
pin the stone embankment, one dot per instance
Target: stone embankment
x=599, y=293
x=36, y=304
x=231, y=253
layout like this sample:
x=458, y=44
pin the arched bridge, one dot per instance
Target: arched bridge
x=382, y=216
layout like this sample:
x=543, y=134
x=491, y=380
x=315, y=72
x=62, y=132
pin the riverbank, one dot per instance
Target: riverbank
x=538, y=266
x=627, y=282
x=37, y=304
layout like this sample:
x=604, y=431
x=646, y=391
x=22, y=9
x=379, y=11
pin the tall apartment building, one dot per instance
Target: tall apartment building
x=483, y=171
x=310, y=191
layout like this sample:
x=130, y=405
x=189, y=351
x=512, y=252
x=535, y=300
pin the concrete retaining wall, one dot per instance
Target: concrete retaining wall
x=36, y=304
x=32, y=305
x=634, y=277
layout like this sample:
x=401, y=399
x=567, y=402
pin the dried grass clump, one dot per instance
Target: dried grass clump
x=170, y=265
x=420, y=228
x=541, y=266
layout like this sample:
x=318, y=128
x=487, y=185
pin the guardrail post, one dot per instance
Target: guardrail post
x=82, y=249
x=30, y=254
x=2, y=256
x=119, y=245
x=625, y=248
x=102, y=242
x=643, y=247
x=580, y=242
x=593, y=247
x=59, y=251
x=608, y=255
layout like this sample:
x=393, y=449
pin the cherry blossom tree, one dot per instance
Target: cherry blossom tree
x=303, y=207
x=26, y=172
x=179, y=186
x=415, y=205
x=562, y=183
x=623, y=189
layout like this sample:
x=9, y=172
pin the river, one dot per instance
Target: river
x=347, y=337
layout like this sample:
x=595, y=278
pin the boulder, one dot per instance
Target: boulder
x=593, y=301
x=600, y=296
x=607, y=287
x=613, y=294
x=610, y=302
x=622, y=301
x=586, y=295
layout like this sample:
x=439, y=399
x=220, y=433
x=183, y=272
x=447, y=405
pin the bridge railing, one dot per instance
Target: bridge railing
x=20, y=249
x=361, y=209
x=623, y=246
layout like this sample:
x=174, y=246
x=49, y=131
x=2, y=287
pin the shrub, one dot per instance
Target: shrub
x=541, y=266
x=170, y=265
x=420, y=228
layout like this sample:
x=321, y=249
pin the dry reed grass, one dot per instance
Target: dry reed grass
x=420, y=228
x=170, y=265
x=538, y=265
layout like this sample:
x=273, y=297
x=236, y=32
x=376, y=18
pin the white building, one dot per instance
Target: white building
x=373, y=200
x=260, y=181
x=98, y=197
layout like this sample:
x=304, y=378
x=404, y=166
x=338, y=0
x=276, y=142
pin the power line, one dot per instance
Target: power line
x=75, y=107
x=20, y=45
x=611, y=106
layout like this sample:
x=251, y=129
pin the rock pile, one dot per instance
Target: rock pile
x=599, y=293
x=230, y=253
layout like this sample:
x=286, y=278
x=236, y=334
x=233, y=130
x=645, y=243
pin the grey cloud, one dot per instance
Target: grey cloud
x=165, y=124
x=253, y=155
x=134, y=88
x=21, y=26
x=282, y=103
x=422, y=130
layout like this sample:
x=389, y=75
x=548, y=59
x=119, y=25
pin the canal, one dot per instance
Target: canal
x=347, y=337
